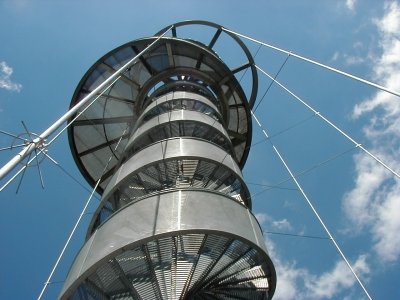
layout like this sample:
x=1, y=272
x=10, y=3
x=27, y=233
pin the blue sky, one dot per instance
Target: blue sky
x=47, y=46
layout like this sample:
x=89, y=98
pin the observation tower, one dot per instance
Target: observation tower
x=164, y=144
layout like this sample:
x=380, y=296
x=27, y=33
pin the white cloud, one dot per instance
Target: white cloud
x=294, y=282
x=350, y=4
x=347, y=59
x=267, y=220
x=298, y=283
x=358, y=45
x=5, y=78
x=361, y=202
x=390, y=23
x=335, y=56
x=289, y=281
x=283, y=224
x=289, y=276
x=340, y=278
x=353, y=60
x=374, y=202
x=262, y=218
x=388, y=225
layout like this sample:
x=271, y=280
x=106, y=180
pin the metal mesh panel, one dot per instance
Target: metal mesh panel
x=233, y=253
x=214, y=248
x=122, y=296
x=192, y=85
x=183, y=126
x=170, y=63
x=178, y=104
x=161, y=255
x=88, y=291
x=180, y=128
x=108, y=276
x=192, y=266
x=245, y=262
x=175, y=173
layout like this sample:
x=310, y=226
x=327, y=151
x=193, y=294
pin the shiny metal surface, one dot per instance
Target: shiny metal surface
x=175, y=217
x=167, y=214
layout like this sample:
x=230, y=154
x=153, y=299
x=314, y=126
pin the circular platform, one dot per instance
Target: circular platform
x=173, y=64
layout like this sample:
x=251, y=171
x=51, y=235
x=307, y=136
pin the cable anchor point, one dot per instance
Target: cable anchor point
x=26, y=140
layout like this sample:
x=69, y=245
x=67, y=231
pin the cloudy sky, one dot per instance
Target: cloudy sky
x=46, y=46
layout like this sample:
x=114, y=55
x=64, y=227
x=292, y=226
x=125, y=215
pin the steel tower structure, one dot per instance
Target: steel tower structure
x=166, y=143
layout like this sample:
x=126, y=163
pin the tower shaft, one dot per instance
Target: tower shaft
x=175, y=217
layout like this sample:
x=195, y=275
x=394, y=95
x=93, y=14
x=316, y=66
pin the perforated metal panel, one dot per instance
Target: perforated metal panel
x=172, y=63
x=192, y=266
x=175, y=219
x=215, y=239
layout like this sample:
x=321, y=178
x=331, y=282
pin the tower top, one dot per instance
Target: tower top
x=172, y=64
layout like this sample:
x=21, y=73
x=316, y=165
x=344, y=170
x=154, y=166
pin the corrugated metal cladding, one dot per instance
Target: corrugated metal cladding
x=175, y=217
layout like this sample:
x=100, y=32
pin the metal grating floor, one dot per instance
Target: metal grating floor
x=191, y=266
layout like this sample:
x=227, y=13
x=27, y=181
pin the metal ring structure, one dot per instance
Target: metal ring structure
x=224, y=247
x=175, y=219
x=121, y=105
x=250, y=60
